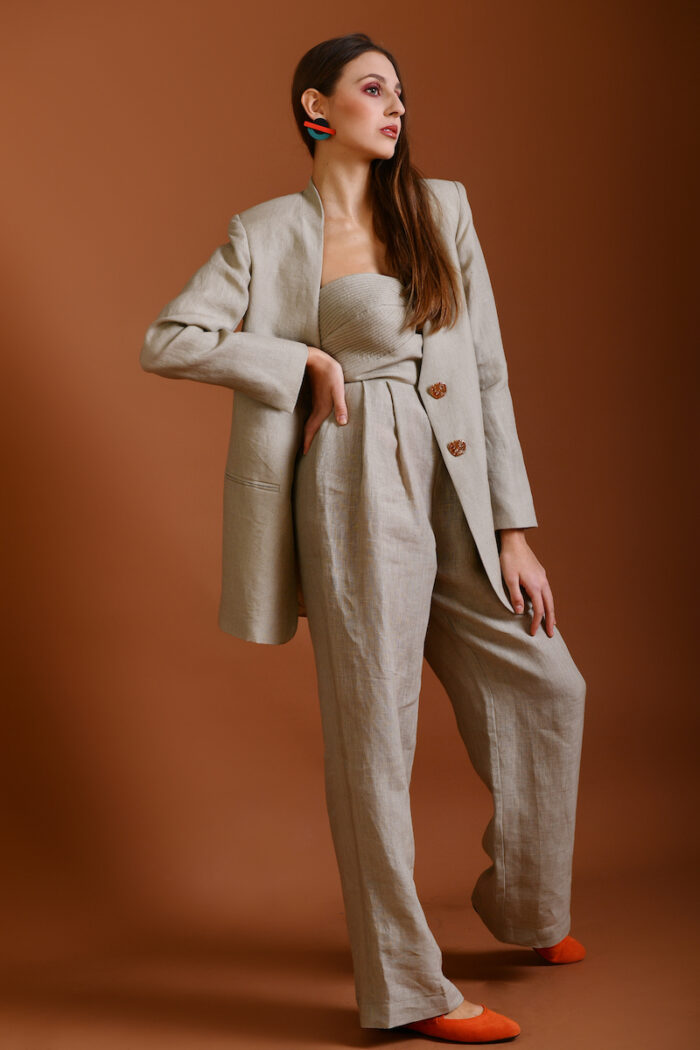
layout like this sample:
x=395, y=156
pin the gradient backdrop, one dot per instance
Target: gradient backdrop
x=168, y=878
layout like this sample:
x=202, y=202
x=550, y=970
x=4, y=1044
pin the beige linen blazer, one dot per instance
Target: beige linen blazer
x=268, y=275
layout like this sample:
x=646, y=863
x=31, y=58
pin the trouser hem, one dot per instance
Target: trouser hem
x=390, y=1014
x=542, y=937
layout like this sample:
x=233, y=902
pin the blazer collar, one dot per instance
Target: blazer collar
x=313, y=197
x=312, y=223
x=309, y=258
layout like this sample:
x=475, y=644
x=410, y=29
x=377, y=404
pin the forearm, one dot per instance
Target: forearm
x=267, y=368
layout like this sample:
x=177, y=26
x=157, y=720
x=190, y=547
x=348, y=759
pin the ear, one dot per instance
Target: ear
x=312, y=101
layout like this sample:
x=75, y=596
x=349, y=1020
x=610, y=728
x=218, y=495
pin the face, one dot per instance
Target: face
x=367, y=98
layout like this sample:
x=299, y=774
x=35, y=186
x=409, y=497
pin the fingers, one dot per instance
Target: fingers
x=542, y=608
x=338, y=395
x=549, y=617
x=328, y=396
x=314, y=421
x=542, y=600
x=516, y=597
x=310, y=427
x=537, y=611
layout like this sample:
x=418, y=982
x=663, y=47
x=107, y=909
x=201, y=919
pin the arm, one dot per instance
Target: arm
x=193, y=336
x=511, y=498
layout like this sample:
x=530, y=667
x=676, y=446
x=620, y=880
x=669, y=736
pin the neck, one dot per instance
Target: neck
x=344, y=190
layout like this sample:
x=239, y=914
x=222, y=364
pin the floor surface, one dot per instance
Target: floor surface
x=636, y=988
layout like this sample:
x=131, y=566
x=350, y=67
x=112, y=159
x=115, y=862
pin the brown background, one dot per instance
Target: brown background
x=168, y=876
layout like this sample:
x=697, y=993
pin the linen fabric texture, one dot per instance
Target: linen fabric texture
x=266, y=279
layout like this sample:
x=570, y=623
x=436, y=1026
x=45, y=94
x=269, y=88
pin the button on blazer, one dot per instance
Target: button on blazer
x=268, y=275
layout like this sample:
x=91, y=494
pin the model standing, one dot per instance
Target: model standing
x=388, y=567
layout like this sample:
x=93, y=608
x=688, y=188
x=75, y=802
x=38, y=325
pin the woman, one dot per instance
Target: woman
x=375, y=477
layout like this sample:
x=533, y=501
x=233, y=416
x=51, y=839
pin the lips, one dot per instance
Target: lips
x=390, y=129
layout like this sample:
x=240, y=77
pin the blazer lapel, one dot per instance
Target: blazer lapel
x=310, y=259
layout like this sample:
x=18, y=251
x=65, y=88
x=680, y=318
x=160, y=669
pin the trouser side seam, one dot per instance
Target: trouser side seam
x=497, y=767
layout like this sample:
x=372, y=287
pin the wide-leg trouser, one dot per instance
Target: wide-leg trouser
x=390, y=573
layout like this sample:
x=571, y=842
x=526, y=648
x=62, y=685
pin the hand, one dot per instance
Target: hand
x=327, y=392
x=520, y=568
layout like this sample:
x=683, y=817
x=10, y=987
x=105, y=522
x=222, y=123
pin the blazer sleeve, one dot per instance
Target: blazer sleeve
x=511, y=498
x=193, y=336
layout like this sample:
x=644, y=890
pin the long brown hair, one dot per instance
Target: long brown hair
x=402, y=216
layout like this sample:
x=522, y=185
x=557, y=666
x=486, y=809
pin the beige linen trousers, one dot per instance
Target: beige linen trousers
x=390, y=573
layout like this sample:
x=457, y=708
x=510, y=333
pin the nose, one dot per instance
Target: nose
x=397, y=106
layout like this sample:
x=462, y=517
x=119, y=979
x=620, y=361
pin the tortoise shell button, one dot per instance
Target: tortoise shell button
x=437, y=390
x=457, y=447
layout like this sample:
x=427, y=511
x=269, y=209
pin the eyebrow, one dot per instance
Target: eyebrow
x=378, y=76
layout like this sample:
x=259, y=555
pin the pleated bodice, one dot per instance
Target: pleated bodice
x=361, y=316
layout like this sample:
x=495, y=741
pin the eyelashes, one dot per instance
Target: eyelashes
x=378, y=87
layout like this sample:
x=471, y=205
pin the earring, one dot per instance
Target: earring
x=317, y=128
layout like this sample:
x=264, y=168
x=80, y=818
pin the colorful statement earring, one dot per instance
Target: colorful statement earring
x=319, y=129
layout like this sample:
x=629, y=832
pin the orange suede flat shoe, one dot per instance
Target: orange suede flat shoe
x=568, y=950
x=486, y=1027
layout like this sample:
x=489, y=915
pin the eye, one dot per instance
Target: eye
x=377, y=87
